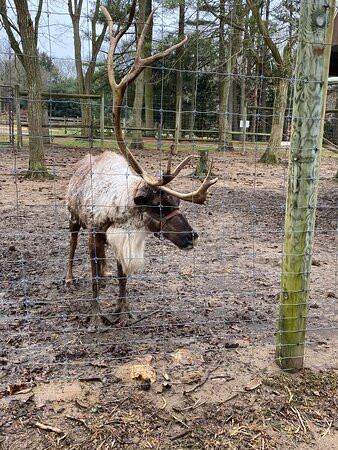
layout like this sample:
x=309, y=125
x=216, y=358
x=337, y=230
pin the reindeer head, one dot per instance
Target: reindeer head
x=160, y=203
x=164, y=217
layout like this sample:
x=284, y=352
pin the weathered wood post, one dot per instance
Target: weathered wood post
x=19, y=139
x=315, y=37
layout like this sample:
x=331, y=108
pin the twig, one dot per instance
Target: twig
x=180, y=435
x=165, y=402
x=62, y=438
x=77, y=419
x=144, y=317
x=117, y=406
x=230, y=397
x=46, y=427
x=327, y=430
x=205, y=379
x=295, y=410
x=289, y=392
x=194, y=406
x=177, y=419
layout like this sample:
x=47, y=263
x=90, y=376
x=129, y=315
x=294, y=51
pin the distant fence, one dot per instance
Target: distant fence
x=255, y=125
x=6, y=115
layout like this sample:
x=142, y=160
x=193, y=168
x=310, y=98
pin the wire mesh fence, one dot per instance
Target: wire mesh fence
x=212, y=310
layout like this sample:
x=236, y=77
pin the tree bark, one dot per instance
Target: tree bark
x=148, y=85
x=193, y=100
x=270, y=155
x=179, y=78
x=264, y=84
x=136, y=121
x=201, y=170
x=224, y=140
x=284, y=65
x=37, y=165
x=85, y=77
x=27, y=53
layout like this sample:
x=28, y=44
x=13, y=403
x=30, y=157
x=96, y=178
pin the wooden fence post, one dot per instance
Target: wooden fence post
x=313, y=54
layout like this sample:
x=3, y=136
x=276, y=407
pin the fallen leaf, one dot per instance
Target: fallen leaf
x=142, y=372
x=192, y=376
x=17, y=389
x=184, y=357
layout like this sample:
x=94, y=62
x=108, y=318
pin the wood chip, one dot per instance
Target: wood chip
x=254, y=384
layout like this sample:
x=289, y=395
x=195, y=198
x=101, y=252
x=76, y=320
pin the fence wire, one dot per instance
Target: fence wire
x=217, y=303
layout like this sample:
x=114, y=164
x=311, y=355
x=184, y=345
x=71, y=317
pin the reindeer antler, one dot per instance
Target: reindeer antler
x=198, y=196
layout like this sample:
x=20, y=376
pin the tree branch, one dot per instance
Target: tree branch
x=266, y=35
x=37, y=20
x=8, y=28
x=225, y=19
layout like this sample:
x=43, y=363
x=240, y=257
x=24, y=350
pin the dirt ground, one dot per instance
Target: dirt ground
x=198, y=371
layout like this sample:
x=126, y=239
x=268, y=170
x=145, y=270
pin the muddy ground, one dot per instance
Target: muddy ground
x=198, y=371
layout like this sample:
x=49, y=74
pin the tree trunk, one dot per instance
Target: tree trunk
x=85, y=78
x=136, y=120
x=179, y=78
x=37, y=166
x=193, y=101
x=28, y=56
x=236, y=63
x=86, y=118
x=264, y=84
x=253, y=125
x=243, y=111
x=45, y=124
x=270, y=155
x=201, y=170
x=148, y=85
x=224, y=140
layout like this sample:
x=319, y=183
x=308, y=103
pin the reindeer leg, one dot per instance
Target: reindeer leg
x=121, y=313
x=104, y=266
x=74, y=228
x=95, y=317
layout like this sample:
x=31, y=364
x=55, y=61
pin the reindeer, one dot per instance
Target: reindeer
x=118, y=202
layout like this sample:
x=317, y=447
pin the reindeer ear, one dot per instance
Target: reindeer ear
x=142, y=195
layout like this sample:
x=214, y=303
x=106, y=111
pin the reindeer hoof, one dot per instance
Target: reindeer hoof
x=96, y=324
x=119, y=317
x=69, y=281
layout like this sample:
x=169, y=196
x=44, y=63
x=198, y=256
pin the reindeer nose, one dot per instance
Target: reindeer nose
x=194, y=235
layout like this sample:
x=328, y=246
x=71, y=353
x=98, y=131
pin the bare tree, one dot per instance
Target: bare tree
x=225, y=64
x=148, y=85
x=23, y=38
x=284, y=70
x=85, y=70
x=136, y=120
